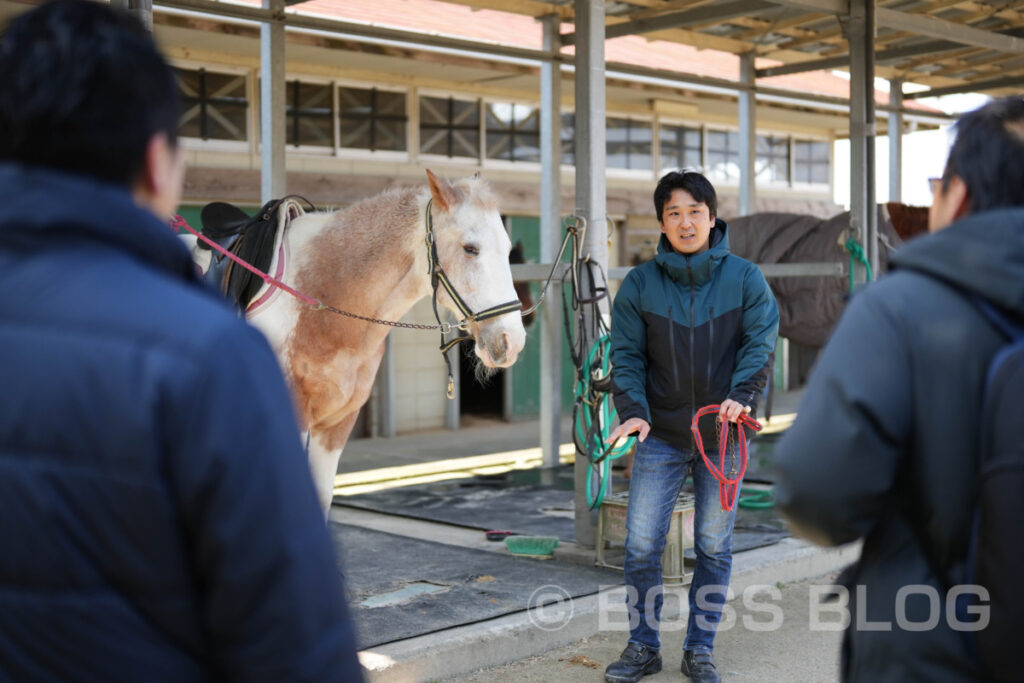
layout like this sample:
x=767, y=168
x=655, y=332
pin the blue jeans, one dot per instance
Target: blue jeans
x=659, y=471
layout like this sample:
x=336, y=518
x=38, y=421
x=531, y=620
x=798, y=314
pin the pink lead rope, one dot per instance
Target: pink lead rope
x=728, y=487
x=179, y=222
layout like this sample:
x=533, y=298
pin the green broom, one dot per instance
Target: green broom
x=539, y=547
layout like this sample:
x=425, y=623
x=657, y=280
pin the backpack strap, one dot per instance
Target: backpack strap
x=1010, y=328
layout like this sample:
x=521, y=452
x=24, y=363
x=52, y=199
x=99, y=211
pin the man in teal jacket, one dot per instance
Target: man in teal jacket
x=694, y=326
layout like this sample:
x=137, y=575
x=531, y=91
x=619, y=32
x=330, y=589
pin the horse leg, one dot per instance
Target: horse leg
x=323, y=459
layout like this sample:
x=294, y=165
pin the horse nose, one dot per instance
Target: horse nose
x=500, y=350
x=503, y=350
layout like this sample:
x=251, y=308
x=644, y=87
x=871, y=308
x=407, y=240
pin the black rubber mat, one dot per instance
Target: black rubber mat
x=403, y=587
x=517, y=502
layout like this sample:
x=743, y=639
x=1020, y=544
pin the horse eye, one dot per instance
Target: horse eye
x=471, y=249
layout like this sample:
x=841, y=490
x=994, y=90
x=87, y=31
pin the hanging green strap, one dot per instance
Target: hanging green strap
x=594, y=415
x=857, y=253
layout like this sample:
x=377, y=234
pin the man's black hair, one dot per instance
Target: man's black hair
x=988, y=154
x=699, y=187
x=83, y=90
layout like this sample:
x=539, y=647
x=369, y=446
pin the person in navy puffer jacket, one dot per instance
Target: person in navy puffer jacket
x=158, y=521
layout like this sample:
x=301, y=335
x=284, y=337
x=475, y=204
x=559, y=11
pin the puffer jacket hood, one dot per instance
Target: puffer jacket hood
x=981, y=253
x=50, y=207
x=696, y=268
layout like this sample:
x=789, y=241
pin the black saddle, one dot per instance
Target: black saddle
x=250, y=238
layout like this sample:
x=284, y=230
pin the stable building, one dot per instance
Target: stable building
x=376, y=92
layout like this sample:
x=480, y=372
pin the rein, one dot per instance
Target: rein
x=728, y=486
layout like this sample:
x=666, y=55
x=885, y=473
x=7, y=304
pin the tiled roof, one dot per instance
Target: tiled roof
x=445, y=18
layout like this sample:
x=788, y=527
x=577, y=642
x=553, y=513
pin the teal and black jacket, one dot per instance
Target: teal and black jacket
x=689, y=331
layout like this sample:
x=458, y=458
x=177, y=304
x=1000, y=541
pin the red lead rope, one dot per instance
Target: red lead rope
x=727, y=487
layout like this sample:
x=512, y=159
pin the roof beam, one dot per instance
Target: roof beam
x=688, y=17
x=976, y=86
x=918, y=24
x=924, y=25
x=844, y=60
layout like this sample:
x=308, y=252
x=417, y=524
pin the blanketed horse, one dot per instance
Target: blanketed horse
x=376, y=259
x=809, y=307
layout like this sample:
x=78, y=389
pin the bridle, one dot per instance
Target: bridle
x=439, y=278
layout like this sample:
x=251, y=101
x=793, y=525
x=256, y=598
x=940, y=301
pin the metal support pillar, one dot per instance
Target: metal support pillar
x=451, y=406
x=590, y=194
x=860, y=30
x=272, y=98
x=386, y=425
x=748, y=135
x=896, y=141
x=550, y=240
x=143, y=9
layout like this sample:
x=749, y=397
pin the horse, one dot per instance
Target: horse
x=809, y=307
x=368, y=264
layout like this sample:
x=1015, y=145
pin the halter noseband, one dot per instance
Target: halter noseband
x=439, y=277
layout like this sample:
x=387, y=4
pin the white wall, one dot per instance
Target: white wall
x=420, y=374
x=924, y=156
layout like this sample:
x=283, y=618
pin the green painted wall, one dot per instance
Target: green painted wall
x=525, y=374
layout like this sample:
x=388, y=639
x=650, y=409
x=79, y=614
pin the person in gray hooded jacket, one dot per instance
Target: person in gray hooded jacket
x=885, y=445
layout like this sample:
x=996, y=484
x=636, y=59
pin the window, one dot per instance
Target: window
x=513, y=132
x=629, y=144
x=450, y=127
x=811, y=162
x=372, y=119
x=214, y=105
x=681, y=147
x=309, y=115
x=723, y=155
x=772, y=159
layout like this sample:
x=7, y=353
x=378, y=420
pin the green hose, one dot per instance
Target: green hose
x=591, y=437
x=756, y=499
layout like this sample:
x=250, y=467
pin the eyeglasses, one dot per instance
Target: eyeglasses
x=934, y=184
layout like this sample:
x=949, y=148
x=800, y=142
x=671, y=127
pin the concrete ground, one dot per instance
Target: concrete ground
x=522, y=645
x=791, y=651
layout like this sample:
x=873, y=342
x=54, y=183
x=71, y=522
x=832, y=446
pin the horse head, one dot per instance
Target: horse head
x=473, y=249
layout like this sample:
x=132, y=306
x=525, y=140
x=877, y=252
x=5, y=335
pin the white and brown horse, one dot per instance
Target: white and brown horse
x=374, y=259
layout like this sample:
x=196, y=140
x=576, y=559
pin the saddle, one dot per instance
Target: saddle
x=250, y=238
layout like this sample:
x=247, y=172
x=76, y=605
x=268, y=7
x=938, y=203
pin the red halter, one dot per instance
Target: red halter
x=728, y=487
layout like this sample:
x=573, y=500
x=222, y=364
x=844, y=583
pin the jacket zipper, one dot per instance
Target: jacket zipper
x=672, y=347
x=693, y=297
x=711, y=342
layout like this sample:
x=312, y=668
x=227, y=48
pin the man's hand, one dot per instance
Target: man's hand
x=731, y=410
x=633, y=424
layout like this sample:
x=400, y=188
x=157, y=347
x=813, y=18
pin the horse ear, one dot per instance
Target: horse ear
x=445, y=196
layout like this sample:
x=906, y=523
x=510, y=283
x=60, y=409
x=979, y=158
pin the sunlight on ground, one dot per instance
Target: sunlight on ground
x=352, y=483
x=384, y=478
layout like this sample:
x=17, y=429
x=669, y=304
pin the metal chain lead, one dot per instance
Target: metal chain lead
x=444, y=327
